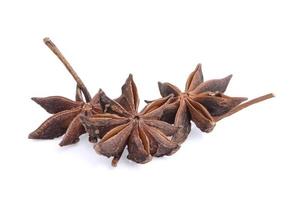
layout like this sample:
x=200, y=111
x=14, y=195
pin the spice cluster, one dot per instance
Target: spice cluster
x=116, y=124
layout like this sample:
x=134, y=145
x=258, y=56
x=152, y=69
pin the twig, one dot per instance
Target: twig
x=58, y=53
x=245, y=105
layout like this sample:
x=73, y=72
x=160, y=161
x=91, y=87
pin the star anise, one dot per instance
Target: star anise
x=66, y=113
x=122, y=125
x=202, y=102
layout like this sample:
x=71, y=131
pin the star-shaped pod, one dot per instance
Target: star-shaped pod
x=143, y=132
x=201, y=102
x=65, y=119
x=66, y=113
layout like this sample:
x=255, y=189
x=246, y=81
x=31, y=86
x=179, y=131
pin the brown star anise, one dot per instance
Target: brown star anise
x=66, y=113
x=122, y=125
x=202, y=102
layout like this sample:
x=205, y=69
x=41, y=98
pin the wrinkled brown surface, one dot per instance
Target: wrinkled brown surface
x=142, y=132
x=200, y=102
x=66, y=118
x=155, y=131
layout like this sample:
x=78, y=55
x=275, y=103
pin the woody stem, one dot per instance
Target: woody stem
x=245, y=105
x=58, y=53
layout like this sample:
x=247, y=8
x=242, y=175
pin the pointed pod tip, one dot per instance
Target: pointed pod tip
x=129, y=79
x=97, y=149
x=62, y=143
x=210, y=129
x=101, y=92
x=174, y=150
x=35, y=99
x=227, y=79
x=148, y=101
x=140, y=160
x=241, y=99
x=198, y=66
x=38, y=100
x=33, y=135
x=160, y=85
x=146, y=160
x=66, y=142
x=229, y=76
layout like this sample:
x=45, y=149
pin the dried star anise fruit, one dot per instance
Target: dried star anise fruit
x=122, y=125
x=157, y=130
x=66, y=113
x=202, y=102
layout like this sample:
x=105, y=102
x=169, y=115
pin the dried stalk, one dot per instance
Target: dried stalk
x=245, y=105
x=58, y=53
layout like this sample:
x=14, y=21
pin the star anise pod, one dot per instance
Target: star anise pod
x=202, y=102
x=66, y=113
x=122, y=125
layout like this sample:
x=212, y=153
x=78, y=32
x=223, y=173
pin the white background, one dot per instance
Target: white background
x=259, y=153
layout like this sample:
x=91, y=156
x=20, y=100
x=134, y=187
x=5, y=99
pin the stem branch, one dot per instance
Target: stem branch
x=245, y=105
x=58, y=53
